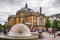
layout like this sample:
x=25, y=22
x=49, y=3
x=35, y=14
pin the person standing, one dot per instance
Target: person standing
x=40, y=34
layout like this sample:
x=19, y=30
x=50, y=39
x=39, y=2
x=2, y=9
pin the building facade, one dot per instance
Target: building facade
x=27, y=16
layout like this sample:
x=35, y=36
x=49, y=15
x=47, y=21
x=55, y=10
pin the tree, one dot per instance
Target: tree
x=47, y=23
x=0, y=26
x=55, y=23
x=55, y=26
x=4, y=25
x=58, y=26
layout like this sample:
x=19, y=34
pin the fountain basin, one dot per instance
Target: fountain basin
x=5, y=37
x=19, y=32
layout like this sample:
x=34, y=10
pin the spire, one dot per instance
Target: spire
x=40, y=9
x=26, y=6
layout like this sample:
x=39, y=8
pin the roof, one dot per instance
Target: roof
x=27, y=9
x=55, y=15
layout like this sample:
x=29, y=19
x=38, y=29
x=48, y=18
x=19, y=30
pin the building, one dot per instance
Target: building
x=53, y=17
x=27, y=16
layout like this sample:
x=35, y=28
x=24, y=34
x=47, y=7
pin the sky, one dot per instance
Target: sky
x=10, y=7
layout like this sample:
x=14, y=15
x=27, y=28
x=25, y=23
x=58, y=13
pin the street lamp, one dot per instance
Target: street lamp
x=54, y=27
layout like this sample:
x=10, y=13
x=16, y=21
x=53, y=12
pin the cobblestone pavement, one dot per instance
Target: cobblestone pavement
x=48, y=36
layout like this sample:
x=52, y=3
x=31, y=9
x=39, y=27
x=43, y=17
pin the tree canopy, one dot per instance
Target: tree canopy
x=47, y=23
x=56, y=23
x=2, y=26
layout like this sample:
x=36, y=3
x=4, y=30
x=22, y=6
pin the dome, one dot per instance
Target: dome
x=27, y=9
x=19, y=30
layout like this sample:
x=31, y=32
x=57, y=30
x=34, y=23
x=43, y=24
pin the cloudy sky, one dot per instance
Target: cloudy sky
x=9, y=7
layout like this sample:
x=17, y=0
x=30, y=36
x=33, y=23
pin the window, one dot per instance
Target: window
x=41, y=21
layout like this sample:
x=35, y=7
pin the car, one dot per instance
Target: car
x=58, y=33
x=1, y=30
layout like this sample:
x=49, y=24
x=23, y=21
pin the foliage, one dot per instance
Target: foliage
x=56, y=23
x=58, y=26
x=47, y=23
x=2, y=26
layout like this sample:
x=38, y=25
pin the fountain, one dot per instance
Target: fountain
x=19, y=32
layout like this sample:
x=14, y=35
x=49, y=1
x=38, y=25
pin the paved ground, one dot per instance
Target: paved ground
x=48, y=36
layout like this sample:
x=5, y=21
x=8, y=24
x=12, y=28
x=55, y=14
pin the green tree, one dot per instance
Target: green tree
x=47, y=23
x=58, y=25
x=0, y=26
x=4, y=26
x=55, y=23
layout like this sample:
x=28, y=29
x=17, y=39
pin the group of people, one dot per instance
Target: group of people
x=6, y=30
x=39, y=31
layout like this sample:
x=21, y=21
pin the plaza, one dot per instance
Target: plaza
x=30, y=20
x=48, y=36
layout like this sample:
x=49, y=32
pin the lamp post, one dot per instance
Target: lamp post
x=54, y=32
x=54, y=27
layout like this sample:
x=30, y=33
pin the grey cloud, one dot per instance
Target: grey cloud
x=1, y=0
x=11, y=6
x=11, y=2
x=57, y=3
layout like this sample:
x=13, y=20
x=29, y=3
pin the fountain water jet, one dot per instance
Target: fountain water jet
x=19, y=30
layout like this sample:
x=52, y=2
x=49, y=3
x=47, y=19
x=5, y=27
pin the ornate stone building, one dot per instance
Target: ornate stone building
x=27, y=16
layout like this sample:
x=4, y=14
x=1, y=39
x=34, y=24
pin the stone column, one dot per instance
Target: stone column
x=17, y=20
x=37, y=20
x=31, y=22
x=21, y=20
